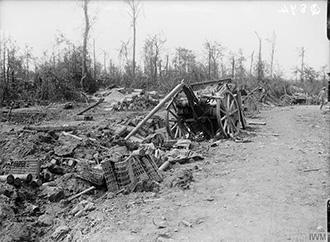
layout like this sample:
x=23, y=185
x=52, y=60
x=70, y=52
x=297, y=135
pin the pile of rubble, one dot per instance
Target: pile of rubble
x=45, y=165
x=126, y=99
x=51, y=167
x=24, y=116
x=141, y=102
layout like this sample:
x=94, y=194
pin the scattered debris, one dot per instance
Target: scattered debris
x=161, y=224
x=250, y=122
x=66, y=166
x=51, y=128
x=45, y=220
x=60, y=232
x=137, y=102
x=180, y=178
x=261, y=133
x=68, y=144
x=91, y=106
x=239, y=140
x=52, y=193
x=186, y=223
x=92, y=188
x=82, y=207
x=209, y=199
x=315, y=169
x=68, y=105
x=183, y=143
x=202, y=114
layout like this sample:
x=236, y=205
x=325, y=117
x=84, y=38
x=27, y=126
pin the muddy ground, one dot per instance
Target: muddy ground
x=272, y=187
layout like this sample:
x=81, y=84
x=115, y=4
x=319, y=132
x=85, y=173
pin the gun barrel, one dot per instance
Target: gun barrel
x=210, y=82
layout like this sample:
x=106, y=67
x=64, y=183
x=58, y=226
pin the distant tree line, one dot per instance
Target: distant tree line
x=70, y=70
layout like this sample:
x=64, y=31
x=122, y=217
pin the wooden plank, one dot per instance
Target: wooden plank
x=51, y=128
x=250, y=122
x=92, y=188
x=90, y=107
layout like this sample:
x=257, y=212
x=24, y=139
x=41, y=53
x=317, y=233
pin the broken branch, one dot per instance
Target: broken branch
x=90, y=107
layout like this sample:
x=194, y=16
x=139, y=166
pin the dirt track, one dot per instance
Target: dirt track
x=257, y=191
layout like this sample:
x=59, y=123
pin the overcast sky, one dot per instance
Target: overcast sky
x=182, y=23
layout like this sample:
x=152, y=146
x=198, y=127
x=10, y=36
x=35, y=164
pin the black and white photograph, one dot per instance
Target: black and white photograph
x=164, y=121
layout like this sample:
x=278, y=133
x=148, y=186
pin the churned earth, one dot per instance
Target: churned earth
x=270, y=186
x=273, y=188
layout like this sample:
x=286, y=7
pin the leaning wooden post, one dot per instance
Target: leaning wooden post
x=155, y=109
x=241, y=109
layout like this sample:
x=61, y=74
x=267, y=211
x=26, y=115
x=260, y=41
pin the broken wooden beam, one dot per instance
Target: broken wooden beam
x=91, y=106
x=260, y=133
x=164, y=166
x=315, y=169
x=51, y=128
x=92, y=188
x=72, y=135
x=186, y=223
x=256, y=123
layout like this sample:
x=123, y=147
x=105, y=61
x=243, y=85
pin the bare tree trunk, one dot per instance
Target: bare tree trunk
x=104, y=62
x=27, y=66
x=302, y=54
x=166, y=68
x=156, y=70
x=8, y=68
x=260, y=68
x=110, y=68
x=251, y=64
x=4, y=63
x=87, y=26
x=54, y=61
x=209, y=64
x=160, y=68
x=94, y=63
x=155, y=62
x=0, y=52
x=1, y=80
x=272, y=61
x=58, y=57
x=74, y=59
x=134, y=43
x=222, y=70
x=214, y=67
x=233, y=68
x=134, y=13
x=272, y=41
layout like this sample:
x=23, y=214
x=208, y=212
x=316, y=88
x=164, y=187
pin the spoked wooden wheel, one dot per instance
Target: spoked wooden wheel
x=176, y=127
x=228, y=115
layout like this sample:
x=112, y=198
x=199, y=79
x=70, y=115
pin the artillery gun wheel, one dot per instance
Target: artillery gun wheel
x=175, y=126
x=228, y=116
